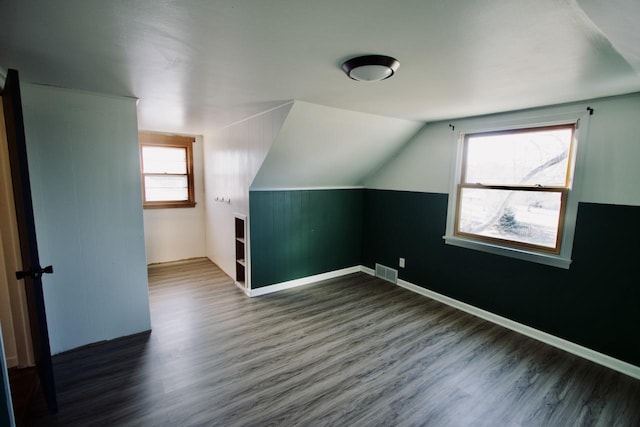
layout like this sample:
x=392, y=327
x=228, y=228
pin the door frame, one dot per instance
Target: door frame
x=19, y=333
x=32, y=271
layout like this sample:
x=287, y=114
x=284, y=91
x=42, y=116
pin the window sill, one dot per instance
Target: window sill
x=546, y=259
x=168, y=205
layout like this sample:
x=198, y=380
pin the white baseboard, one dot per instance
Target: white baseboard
x=562, y=344
x=302, y=281
x=369, y=271
x=243, y=288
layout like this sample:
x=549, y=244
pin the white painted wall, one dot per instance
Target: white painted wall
x=421, y=165
x=610, y=174
x=232, y=157
x=176, y=234
x=85, y=179
x=321, y=146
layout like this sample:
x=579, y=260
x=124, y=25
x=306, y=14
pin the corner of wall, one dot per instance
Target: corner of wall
x=177, y=234
x=232, y=158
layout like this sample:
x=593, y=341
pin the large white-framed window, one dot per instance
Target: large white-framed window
x=515, y=187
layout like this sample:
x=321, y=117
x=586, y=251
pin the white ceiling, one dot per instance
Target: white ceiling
x=199, y=65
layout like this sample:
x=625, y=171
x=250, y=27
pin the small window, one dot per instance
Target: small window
x=166, y=163
x=514, y=185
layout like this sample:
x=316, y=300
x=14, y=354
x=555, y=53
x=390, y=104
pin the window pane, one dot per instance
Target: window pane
x=531, y=157
x=521, y=216
x=164, y=160
x=166, y=188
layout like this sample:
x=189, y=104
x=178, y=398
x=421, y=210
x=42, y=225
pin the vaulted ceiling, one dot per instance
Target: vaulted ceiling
x=198, y=65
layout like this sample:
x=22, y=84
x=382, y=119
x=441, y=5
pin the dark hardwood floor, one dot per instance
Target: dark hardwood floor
x=353, y=351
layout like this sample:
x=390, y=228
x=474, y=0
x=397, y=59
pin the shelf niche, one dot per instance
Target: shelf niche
x=241, y=250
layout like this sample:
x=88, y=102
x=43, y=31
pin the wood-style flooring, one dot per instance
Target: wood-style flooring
x=352, y=351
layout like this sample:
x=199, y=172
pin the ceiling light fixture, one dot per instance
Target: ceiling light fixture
x=370, y=68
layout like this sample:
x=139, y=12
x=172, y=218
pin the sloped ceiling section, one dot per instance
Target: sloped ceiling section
x=618, y=22
x=321, y=146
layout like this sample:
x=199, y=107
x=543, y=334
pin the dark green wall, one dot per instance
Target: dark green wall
x=296, y=234
x=596, y=303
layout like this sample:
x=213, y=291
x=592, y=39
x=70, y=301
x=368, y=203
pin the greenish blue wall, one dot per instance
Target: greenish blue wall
x=84, y=168
x=596, y=303
x=296, y=234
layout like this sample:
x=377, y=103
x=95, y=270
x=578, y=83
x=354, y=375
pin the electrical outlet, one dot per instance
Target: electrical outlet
x=401, y=263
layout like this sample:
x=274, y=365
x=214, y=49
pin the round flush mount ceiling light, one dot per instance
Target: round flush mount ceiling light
x=370, y=68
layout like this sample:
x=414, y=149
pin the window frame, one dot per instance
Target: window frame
x=563, y=190
x=553, y=116
x=148, y=139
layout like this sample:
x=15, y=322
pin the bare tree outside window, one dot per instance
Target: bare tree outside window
x=514, y=186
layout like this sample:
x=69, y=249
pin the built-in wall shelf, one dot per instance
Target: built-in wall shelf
x=241, y=250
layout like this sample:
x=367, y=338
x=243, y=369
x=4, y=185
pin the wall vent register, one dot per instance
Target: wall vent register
x=386, y=273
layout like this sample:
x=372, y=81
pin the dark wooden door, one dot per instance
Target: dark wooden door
x=32, y=271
